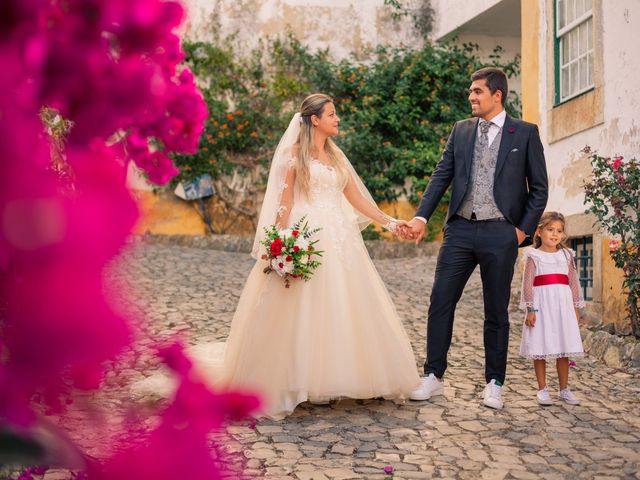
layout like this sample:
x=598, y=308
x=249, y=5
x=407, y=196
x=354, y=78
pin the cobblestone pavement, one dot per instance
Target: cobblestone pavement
x=195, y=291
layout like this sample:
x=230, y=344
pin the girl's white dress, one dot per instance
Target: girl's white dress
x=556, y=333
x=337, y=335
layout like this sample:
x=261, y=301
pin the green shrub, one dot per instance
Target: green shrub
x=396, y=109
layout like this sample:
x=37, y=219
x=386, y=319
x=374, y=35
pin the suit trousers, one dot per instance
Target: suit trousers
x=492, y=244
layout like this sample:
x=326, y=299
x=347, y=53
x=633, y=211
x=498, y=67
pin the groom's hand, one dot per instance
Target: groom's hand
x=403, y=231
x=521, y=236
x=418, y=229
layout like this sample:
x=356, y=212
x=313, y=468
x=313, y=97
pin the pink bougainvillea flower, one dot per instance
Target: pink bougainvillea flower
x=143, y=26
x=55, y=249
x=614, y=245
x=158, y=167
x=112, y=69
x=175, y=358
x=617, y=162
x=178, y=447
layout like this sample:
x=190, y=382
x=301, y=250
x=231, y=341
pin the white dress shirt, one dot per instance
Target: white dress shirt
x=497, y=123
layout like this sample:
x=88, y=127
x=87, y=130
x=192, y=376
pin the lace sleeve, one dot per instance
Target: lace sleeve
x=285, y=193
x=574, y=283
x=367, y=207
x=278, y=196
x=526, y=293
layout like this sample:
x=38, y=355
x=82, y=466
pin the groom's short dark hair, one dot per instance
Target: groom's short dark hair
x=495, y=78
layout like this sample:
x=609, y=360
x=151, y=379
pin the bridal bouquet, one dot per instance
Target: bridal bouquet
x=290, y=252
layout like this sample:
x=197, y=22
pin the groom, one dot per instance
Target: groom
x=497, y=167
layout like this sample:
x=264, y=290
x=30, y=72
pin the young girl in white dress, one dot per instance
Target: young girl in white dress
x=552, y=295
x=338, y=334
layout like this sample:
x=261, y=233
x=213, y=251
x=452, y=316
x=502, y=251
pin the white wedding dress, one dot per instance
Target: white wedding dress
x=336, y=335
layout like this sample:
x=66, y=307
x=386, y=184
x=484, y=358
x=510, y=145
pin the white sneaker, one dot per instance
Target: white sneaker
x=567, y=396
x=543, y=397
x=493, y=395
x=429, y=387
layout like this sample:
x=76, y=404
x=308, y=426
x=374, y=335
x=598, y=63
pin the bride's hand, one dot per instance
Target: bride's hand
x=403, y=231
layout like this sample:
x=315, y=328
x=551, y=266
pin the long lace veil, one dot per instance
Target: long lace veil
x=276, y=185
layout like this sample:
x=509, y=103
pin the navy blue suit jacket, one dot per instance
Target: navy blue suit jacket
x=520, y=184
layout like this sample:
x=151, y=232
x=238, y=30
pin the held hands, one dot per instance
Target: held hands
x=412, y=230
x=400, y=228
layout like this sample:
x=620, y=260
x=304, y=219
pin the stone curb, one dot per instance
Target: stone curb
x=613, y=350
x=379, y=249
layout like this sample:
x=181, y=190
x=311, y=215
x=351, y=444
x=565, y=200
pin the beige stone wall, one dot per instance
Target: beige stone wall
x=530, y=73
x=164, y=213
x=613, y=298
x=345, y=27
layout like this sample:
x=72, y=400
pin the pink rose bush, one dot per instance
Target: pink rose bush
x=611, y=195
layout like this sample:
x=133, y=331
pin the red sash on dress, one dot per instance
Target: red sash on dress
x=550, y=279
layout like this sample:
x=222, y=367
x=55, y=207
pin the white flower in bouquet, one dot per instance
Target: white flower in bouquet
x=282, y=265
x=285, y=233
x=301, y=242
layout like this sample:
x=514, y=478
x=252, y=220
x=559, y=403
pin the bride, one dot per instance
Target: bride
x=337, y=335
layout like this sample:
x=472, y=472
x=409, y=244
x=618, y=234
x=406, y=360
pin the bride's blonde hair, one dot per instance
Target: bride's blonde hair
x=314, y=105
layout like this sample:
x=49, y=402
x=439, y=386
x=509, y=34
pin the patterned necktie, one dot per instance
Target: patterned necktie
x=484, y=132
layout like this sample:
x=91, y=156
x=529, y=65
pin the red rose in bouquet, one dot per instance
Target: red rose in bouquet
x=276, y=247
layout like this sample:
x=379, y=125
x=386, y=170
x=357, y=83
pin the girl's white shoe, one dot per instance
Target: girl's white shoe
x=543, y=397
x=567, y=396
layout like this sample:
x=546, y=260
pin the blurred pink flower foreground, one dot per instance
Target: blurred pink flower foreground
x=111, y=68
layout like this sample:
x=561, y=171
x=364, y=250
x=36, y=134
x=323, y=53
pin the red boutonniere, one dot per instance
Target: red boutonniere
x=511, y=129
